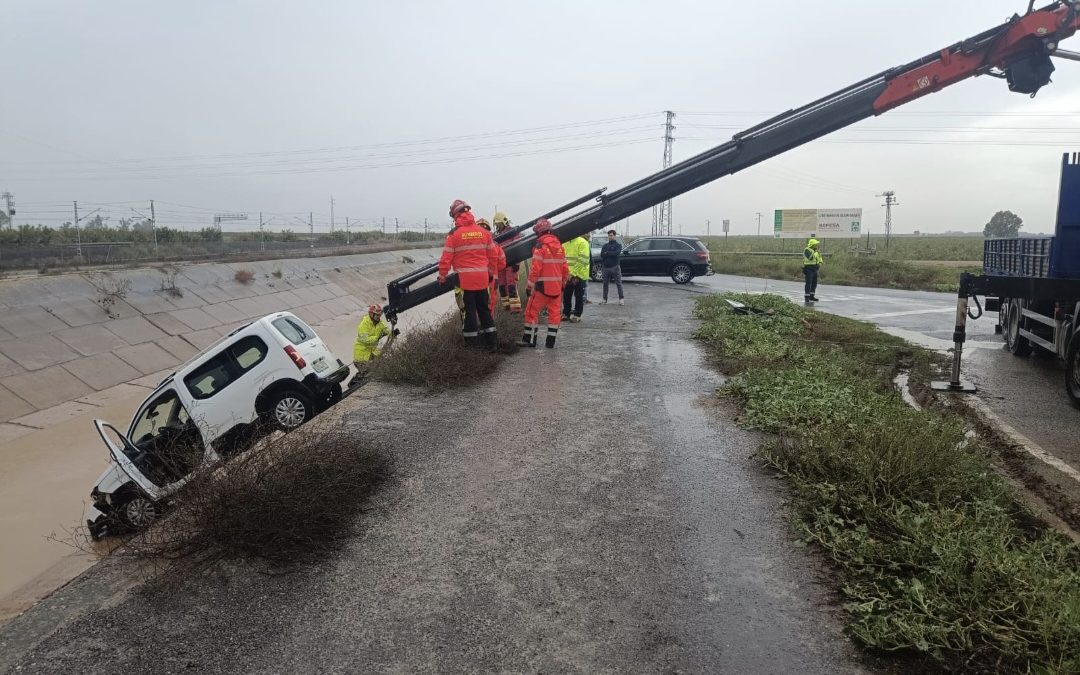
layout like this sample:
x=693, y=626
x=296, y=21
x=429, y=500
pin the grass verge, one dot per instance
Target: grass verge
x=938, y=558
x=435, y=357
x=846, y=270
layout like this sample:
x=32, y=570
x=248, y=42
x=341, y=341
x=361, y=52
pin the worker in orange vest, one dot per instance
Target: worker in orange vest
x=547, y=277
x=470, y=251
x=508, y=278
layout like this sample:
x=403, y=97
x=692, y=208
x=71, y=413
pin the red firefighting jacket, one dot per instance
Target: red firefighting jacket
x=549, y=269
x=470, y=251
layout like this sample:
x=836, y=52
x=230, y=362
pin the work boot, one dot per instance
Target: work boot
x=491, y=340
x=575, y=319
x=550, y=344
x=621, y=302
x=814, y=298
x=472, y=340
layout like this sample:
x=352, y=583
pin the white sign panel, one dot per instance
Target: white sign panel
x=821, y=223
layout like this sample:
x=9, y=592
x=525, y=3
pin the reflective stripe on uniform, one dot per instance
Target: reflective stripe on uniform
x=552, y=330
x=554, y=261
x=467, y=270
x=469, y=333
x=469, y=247
x=488, y=330
x=549, y=279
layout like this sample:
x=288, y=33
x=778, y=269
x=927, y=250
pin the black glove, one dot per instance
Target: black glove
x=397, y=331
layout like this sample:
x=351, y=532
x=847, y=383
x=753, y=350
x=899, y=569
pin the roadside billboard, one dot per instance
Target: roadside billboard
x=824, y=223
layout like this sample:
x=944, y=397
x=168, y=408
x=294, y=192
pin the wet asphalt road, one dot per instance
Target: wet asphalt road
x=588, y=509
x=1027, y=393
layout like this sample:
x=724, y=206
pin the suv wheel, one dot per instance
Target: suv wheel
x=288, y=409
x=682, y=273
x=597, y=272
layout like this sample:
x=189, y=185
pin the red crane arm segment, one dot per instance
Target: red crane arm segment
x=961, y=61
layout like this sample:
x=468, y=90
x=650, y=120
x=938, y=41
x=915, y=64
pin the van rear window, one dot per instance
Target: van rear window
x=293, y=330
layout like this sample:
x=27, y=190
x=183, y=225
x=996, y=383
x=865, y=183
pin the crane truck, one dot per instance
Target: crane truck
x=1019, y=51
x=1033, y=283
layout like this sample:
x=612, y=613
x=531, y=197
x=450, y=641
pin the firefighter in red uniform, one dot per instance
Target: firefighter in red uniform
x=508, y=278
x=546, y=279
x=500, y=267
x=470, y=252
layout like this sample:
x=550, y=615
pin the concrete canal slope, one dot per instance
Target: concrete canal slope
x=68, y=356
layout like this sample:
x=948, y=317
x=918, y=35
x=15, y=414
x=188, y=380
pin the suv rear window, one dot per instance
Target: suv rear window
x=699, y=245
x=293, y=330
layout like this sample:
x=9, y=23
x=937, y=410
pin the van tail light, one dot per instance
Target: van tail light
x=703, y=255
x=295, y=356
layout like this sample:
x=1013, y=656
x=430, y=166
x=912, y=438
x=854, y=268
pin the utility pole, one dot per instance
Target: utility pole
x=331, y=214
x=384, y=225
x=708, y=227
x=153, y=225
x=759, y=214
x=890, y=201
x=662, y=212
x=347, y=240
x=311, y=228
x=78, y=233
x=397, y=229
x=262, y=237
x=10, y=199
x=425, y=229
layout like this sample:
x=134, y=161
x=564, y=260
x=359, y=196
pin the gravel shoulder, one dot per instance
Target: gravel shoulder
x=588, y=509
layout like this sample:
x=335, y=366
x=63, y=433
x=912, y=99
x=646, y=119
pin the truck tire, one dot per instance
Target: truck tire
x=1072, y=371
x=1016, y=343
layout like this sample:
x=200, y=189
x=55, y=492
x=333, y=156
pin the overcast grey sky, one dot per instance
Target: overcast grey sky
x=275, y=106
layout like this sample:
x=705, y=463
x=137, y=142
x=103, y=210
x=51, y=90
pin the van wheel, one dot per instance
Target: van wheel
x=682, y=273
x=1072, y=371
x=288, y=409
x=139, y=512
x=1016, y=343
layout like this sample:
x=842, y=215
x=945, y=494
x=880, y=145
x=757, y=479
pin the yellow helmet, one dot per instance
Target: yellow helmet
x=501, y=220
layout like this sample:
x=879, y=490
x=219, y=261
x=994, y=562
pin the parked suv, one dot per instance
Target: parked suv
x=272, y=373
x=681, y=258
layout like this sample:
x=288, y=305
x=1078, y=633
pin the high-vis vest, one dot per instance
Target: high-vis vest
x=549, y=270
x=811, y=256
x=368, y=334
x=578, y=252
x=470, y=251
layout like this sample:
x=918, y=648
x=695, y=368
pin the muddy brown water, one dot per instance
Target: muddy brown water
x=46, y=476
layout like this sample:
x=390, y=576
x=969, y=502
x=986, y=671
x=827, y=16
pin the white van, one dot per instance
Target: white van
x=272, y=373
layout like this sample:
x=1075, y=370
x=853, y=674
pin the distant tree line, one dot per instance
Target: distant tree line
x=135, y=231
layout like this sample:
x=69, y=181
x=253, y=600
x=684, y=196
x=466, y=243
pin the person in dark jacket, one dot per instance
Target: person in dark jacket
x=609, y=261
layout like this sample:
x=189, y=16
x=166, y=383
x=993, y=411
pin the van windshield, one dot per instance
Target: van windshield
x=294, y=330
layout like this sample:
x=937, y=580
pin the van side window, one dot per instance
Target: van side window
x=294, y=331
x=222, y=370
x=248, y=352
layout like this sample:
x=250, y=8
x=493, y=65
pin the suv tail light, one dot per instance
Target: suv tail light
x=703, y=255
x=295, y=356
